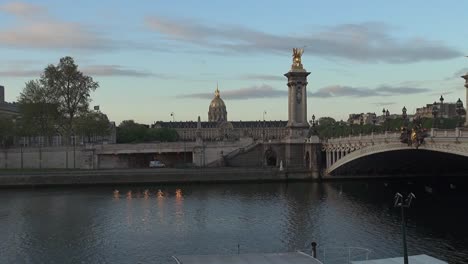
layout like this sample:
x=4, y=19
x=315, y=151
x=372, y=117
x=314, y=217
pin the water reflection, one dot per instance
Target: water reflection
x=155, y=222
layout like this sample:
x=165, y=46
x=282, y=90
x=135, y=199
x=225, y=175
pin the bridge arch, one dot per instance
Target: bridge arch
x=399, y=151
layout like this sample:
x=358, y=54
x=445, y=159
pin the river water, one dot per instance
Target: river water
x=96, y=225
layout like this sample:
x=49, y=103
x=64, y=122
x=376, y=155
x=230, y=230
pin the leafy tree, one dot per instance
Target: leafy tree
x=52, y=103
x=130, y=132
x=92, y=124
x=161, y=134
x=38, y=110
x=326, y=121
x=70, y=90
x=6, y=131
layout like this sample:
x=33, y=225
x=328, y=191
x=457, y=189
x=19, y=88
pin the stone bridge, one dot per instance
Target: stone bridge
x=385, y=153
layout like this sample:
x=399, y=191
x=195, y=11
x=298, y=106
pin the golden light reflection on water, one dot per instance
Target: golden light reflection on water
x=179, y=208
x=162, y=199
x=116, y=195
x=179, y=195
x=160, y=194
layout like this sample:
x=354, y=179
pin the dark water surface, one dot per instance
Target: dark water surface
x=92, y=225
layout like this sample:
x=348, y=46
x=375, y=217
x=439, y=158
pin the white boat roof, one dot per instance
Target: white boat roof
x=261, y=258
x=417, y=259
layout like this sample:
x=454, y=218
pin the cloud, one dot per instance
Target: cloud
x=22, y=9
x=263, y=77
x=348, y=91
x=384, y=103
x=20, y=73
x=117, y=70
x=34, y=28
x=253, y=92
x=365, y=42
x=460, y=73
x=266, y=91
x=92, y=70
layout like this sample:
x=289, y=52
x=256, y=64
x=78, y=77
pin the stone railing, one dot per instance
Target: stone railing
x=461, y=133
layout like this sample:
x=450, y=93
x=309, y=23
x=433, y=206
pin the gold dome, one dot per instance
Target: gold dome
x=217, y=110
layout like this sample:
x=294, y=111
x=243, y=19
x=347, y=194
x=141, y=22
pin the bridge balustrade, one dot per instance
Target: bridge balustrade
x=446, y=140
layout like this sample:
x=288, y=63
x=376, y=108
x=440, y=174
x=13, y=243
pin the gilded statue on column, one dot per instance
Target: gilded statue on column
x=297, y=63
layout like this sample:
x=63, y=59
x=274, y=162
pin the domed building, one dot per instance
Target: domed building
x=219, y=128
x=217, y=110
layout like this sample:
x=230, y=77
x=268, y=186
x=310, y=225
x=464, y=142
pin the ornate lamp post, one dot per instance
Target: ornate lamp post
x=399, y=202
x=374, y=120
x=435, y=111
x=361, y=122
x=387, y=116
x=404, y=116
x=459, y=110
x=313, y=120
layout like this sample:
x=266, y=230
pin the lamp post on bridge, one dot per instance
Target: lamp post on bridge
x=374, y=120
x=404, y=116
x=386, y=115
x=459, y=110
x=435, y=111
x=399, y=202
x=361, y=122
x=173, y=116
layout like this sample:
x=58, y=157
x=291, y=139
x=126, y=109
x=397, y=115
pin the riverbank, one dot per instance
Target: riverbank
x=76, y=177
x=25, y=178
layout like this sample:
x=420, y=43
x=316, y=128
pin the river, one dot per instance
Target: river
x=149, y=224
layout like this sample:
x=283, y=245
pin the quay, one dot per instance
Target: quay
x=26, y=178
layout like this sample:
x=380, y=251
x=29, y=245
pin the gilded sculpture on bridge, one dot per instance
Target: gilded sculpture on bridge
x=414, y=136
x=297, y=59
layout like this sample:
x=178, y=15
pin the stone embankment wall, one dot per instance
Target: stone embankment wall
x=115, y=177
x=112, y=155
x=46, y=158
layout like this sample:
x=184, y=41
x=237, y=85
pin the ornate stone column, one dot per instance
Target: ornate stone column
x=466, y=98
x=297, y=97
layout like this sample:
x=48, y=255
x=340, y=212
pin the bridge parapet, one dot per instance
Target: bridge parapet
x=338, y=150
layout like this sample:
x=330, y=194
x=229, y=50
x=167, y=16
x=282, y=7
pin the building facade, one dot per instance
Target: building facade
x=219, y=128
x=7, y=109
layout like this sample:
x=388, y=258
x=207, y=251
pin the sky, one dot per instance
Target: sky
x=154, y=57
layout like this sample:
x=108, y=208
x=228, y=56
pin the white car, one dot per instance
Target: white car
x=156, y=164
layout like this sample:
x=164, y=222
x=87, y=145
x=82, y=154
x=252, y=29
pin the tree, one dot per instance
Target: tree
x=326, y=121
x=161, y=134
x=38, y=110
x=70, y=89
x=92, y=124
x=130, y=132
x=6, y=131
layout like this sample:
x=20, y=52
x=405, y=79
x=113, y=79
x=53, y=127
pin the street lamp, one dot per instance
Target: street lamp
x=313, y=120
x=387, y=115
x=374, y=120
x=399, y=202
x=459, y=110
x=404, y=116
x=361, y=122
x=173, y=116
x=435, y=111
